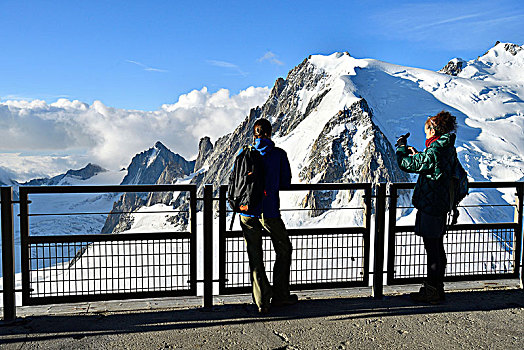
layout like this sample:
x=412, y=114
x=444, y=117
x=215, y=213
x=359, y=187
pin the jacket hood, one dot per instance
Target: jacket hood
x=263, y=145
x=444, y=141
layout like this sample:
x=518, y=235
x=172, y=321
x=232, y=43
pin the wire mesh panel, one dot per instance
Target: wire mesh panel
x=110, y=267
x=328, y=258
x=318, y=260
x=61, y=265
x=475, y=253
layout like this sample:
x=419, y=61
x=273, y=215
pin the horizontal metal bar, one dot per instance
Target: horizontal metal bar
x=302, y=286
x=111, y=237
x=465, y=227
x=106, y=189
x=329, y=186
x=469, y=206
x=486, y=205
x=456, y=278
x=217, y=280
x=309, y=209
x=108, y=296
x=16, y=202
x=473, y=184
x=111, y=212
x=308, y=232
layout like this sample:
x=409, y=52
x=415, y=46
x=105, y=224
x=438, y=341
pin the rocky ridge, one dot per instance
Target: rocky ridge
x=350, y=148
x=157, y=165
x=85, y=173
x=454, y=67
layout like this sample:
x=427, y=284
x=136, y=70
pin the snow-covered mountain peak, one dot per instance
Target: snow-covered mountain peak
x=503, y=62
x=71, y=177
x=338, y=63
x=486, y=96
x=146, y=167
x=6, y=177
x=499, y=49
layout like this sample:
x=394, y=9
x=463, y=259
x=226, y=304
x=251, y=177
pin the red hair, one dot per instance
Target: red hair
x=442, y=123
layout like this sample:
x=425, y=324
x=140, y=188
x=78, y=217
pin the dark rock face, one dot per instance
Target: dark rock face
x=513, y=49
x=350, y=149
x=204, y=149
x=148, y=166
x=87, y=172
x=454, y=67
x=282, y=105
x=157, y=165
x=357, y=152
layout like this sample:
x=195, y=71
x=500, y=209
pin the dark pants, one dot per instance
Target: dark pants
x=252, y=229
x=432, y=229
x=436, y=261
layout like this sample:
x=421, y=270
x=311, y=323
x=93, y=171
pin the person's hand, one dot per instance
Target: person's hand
x=412, y=150
x=402, y=140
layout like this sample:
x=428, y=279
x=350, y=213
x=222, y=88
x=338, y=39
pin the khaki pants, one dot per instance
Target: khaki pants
x=252, y=229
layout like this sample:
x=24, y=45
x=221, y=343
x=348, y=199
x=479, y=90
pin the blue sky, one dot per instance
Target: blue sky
x=142, y=54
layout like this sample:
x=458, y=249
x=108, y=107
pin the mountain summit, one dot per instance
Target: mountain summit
x=157, y=165
x=503, y=62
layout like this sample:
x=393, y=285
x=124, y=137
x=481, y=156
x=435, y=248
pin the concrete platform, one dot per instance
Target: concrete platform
x=475, y=315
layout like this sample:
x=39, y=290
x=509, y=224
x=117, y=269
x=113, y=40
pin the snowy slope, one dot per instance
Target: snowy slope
x=490, y=112
x=46, y=225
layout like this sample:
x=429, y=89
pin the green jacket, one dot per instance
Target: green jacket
x=435, y=168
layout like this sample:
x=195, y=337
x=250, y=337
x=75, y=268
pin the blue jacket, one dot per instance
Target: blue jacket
x=277, y=176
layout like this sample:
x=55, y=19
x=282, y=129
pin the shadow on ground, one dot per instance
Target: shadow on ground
x=80, y=326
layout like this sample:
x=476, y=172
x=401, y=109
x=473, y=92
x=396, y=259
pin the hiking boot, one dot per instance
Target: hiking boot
x=290, y=300
x=428, y=294
x=263, y=310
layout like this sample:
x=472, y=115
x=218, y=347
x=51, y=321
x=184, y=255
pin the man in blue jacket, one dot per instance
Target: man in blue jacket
x=267, y=216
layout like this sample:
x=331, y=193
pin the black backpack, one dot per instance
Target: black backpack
x=246, y=182
x=458, y=190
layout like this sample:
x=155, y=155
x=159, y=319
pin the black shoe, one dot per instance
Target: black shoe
x=263, y=310
x=428, y=294
x=290, y=300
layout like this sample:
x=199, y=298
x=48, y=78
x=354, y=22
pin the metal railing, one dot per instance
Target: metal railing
x=328, y=257
x=67, y=266
x=474, y=250
x=71, y=267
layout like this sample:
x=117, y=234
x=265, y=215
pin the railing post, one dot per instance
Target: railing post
x=8, y=258
x=518, y=218
x=367, y=225
x=208, y=246
x=380, y=222
x=222, y=213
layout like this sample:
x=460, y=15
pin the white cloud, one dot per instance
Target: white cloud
x=271, y=57
x=228, y=65
x=146, y=67
x=71, y=133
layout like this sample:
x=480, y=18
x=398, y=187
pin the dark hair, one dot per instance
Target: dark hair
x=442, y=123
x=262, y=128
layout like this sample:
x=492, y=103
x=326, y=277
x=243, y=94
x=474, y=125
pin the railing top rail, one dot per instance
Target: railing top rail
x=111, y=237
x=326, y=186
x=473, y=184
x=106, y=188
